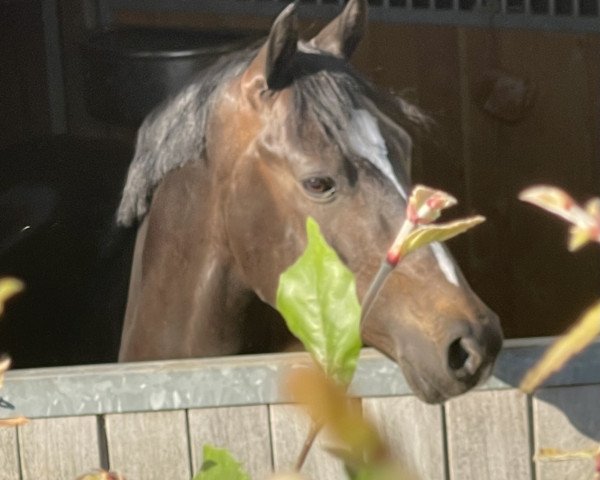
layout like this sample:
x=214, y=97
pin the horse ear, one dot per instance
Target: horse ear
x=342, y=35
x=273, y=61
x=281, y=46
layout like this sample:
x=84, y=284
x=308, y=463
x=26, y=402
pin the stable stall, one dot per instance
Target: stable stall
x=513, y=87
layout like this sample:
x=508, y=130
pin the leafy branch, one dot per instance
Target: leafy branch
x=585, y=228
x=425, y=206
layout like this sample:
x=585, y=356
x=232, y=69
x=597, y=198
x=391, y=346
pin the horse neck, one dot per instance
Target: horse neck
x=184, y=272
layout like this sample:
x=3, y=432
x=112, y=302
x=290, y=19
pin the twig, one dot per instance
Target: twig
x=392, y=259
x=308, y=443
x=384, y=270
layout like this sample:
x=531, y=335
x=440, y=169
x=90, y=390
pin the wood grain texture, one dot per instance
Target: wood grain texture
x=289, y=427
x=149, y=445
x=244, y=431
x=67, y=447
x=566, y=418
x=9, y=454
x=413, y=431
x=488, y=436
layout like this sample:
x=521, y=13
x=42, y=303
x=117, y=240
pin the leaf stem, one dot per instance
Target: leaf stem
x=384, y=270
x=308, y=443
x=392, y=258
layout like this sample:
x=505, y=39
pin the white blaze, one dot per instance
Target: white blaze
x=367, y=141
x=445, y=263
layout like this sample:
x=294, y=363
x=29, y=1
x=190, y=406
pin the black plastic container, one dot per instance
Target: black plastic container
x=128, y=72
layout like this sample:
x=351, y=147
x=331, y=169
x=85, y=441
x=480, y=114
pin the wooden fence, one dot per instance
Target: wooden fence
x=150, y=420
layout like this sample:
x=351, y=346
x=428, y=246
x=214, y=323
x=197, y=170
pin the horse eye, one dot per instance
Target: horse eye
x=319, y=186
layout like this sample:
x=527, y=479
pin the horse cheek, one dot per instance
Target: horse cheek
x=265, y=234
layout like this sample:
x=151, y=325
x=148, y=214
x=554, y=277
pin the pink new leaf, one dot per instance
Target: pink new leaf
x=425, y=204
x=585, y=221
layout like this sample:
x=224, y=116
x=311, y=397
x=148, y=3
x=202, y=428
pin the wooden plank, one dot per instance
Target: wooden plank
x=244, y=431
x=488, y=436
x=150, y=445
x=417, y=445
x=9, y=454
x=67, y=447
x=289, y=427
x=566, y=418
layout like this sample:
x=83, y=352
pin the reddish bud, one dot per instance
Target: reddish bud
x=435, y=202
x=392, y=258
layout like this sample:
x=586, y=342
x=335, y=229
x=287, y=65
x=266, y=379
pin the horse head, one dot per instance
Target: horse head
x=293, y=131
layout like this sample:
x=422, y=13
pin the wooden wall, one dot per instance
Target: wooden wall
x=149, y=421
x=517, y=261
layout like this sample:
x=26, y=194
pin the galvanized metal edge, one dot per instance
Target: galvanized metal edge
x=240, y=380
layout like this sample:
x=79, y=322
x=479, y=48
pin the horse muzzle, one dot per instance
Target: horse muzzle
x=439, y=370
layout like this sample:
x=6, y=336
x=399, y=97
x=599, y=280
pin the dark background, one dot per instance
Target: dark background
x=483, y=149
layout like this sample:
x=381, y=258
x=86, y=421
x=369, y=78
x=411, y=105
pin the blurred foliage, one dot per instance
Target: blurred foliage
x=580, y=336
x=585, y=228
x=8, y=288
x=584, y=220
x=327, y=404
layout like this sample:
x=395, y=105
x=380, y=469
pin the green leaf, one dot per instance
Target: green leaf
x=219, y=465
x=437, y=233
x=317, y=298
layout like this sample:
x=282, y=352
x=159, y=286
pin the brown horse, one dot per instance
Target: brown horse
x=224, y=176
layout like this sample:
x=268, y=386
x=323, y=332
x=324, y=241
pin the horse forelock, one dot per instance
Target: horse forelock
x=359, y=119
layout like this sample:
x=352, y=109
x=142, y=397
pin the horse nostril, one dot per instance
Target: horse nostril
x=464, y=357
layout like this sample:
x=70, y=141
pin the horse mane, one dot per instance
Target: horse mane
x=174, y=133
x=326, y=93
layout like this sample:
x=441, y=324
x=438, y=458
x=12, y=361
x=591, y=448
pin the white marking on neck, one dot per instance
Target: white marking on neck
x=366, y=140
x=445, y=263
